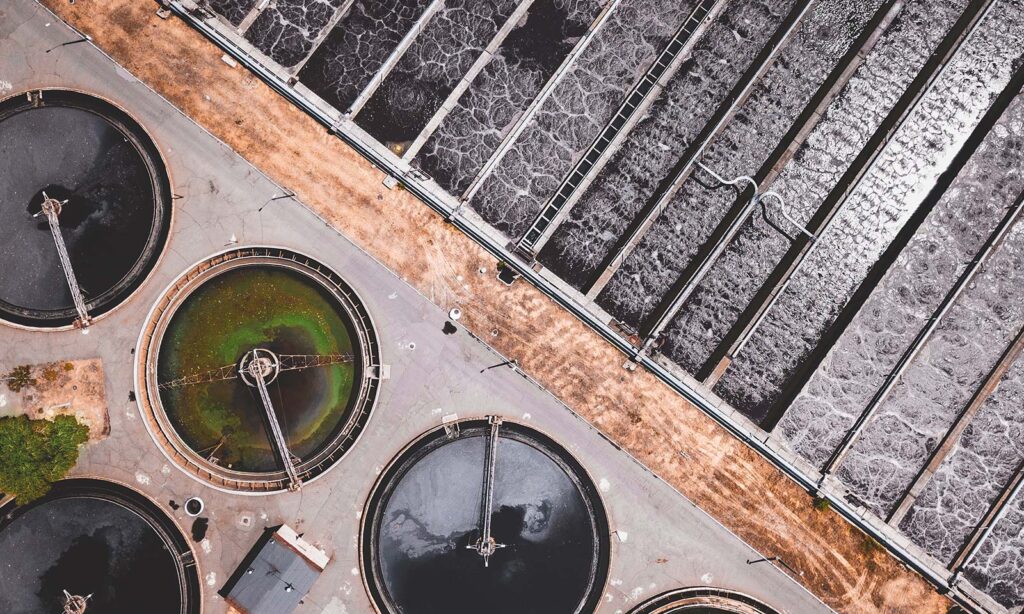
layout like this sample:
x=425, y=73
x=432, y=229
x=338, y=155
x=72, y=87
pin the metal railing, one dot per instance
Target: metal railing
x=51, y=208
x=257, y=375
x=528, y=241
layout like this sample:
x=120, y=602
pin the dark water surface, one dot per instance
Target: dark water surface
x=579, y=107
x=85, y=546
x=78, y=155
x=286, y=31
x=357, y=47
x=431, y=68
x=233, y=10
x=503, y=90
x=539, y=512
x=653, y=151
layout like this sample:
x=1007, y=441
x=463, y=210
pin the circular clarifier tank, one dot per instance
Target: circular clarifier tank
x=98, y=540
x=260, y=368
x=485, y=516
x=702, y=600
x=114, y=214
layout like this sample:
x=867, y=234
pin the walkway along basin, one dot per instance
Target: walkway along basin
x=116, y=212
x=485, y=516
x=92, y=537
x=318, y=358
x=702, y=600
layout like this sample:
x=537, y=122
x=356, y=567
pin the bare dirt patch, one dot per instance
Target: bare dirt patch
x=72, y=388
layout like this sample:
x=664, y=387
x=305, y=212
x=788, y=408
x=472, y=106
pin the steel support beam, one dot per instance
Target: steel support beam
x=393, y=58
x=631, y=110
x=524, y=120
x=51, y=208
x=453, y=97
x=686, y=165
x=908, y=356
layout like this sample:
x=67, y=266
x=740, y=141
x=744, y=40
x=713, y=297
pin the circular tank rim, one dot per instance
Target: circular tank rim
x=703, y=597
x=156, y=421
x=187, y=290
x=605, y=546
x=169, y=226
x=166, y=527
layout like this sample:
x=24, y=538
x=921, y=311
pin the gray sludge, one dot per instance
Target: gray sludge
x=431, y=68
x=357, y=47
x=286, y=31
x=575, y=113
x=691, y=216
x=497, y=98
x=851, y=118
x=939, y=383
x=232, y=10
x=998, y=566
x=884, y=199
x=972, y=476
x=914, y=287
x=603, y=213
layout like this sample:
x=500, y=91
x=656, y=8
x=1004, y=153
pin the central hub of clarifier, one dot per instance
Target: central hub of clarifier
x=260, y=370
x=259, y=363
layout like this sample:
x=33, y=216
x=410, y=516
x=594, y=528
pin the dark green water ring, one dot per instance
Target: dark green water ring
x=365, y=385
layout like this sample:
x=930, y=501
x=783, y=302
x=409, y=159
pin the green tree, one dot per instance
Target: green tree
x=36, y=453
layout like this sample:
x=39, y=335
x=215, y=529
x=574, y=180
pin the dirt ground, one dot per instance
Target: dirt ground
x=634, y=409
x=73, y=388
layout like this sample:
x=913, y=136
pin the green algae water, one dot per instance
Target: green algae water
x=257, y=306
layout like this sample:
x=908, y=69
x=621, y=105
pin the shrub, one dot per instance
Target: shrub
x=36, y=453
x=821, y=504
x=20, y=378
x=870, y=545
